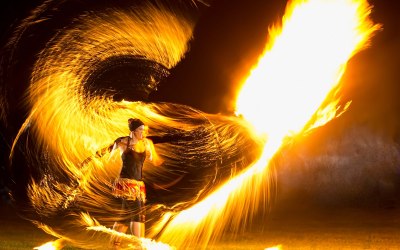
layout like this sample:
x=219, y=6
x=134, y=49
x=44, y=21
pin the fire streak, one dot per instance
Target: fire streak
x=283, y=96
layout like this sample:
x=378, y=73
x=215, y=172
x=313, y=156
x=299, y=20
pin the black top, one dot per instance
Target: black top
x=132, y=163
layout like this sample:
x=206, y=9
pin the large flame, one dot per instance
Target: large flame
x=285, y=94
x=302, y=63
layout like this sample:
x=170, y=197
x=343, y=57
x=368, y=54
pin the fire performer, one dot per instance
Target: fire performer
x=129, y=186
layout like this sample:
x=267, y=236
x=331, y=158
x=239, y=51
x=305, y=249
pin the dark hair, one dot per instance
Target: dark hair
x=134, y=123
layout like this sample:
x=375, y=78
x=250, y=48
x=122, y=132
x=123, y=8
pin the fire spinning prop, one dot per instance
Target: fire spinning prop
x=214, y=173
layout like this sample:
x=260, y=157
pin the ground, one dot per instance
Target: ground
x=355, y=228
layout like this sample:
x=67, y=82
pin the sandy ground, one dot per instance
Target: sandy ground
x=303, y=229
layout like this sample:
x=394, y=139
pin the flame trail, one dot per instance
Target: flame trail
x=285, y=94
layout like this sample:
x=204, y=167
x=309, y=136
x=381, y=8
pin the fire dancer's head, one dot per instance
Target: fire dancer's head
x=136, y=126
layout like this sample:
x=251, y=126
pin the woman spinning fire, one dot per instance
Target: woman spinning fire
x=129, y=186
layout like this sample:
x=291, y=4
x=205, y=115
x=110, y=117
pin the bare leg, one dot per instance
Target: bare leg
x=137, y=229
x=115, y=240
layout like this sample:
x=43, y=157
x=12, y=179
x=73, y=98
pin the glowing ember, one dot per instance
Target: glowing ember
x=302, y=64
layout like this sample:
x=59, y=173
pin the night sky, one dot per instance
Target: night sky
x=228, y=39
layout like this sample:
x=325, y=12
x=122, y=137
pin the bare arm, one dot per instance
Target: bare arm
x=151, y=151
x=118, y=144
x=112, y=153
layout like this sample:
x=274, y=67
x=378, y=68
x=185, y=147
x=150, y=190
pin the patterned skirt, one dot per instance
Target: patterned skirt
x=129, y=189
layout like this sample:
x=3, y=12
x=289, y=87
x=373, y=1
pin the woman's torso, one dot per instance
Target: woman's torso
x=132, y=161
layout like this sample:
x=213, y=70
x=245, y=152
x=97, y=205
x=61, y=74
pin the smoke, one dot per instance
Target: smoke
x=356, y=167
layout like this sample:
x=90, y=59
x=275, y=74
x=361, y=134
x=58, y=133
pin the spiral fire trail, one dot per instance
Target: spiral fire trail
x=71, y=126
x=66, y=135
